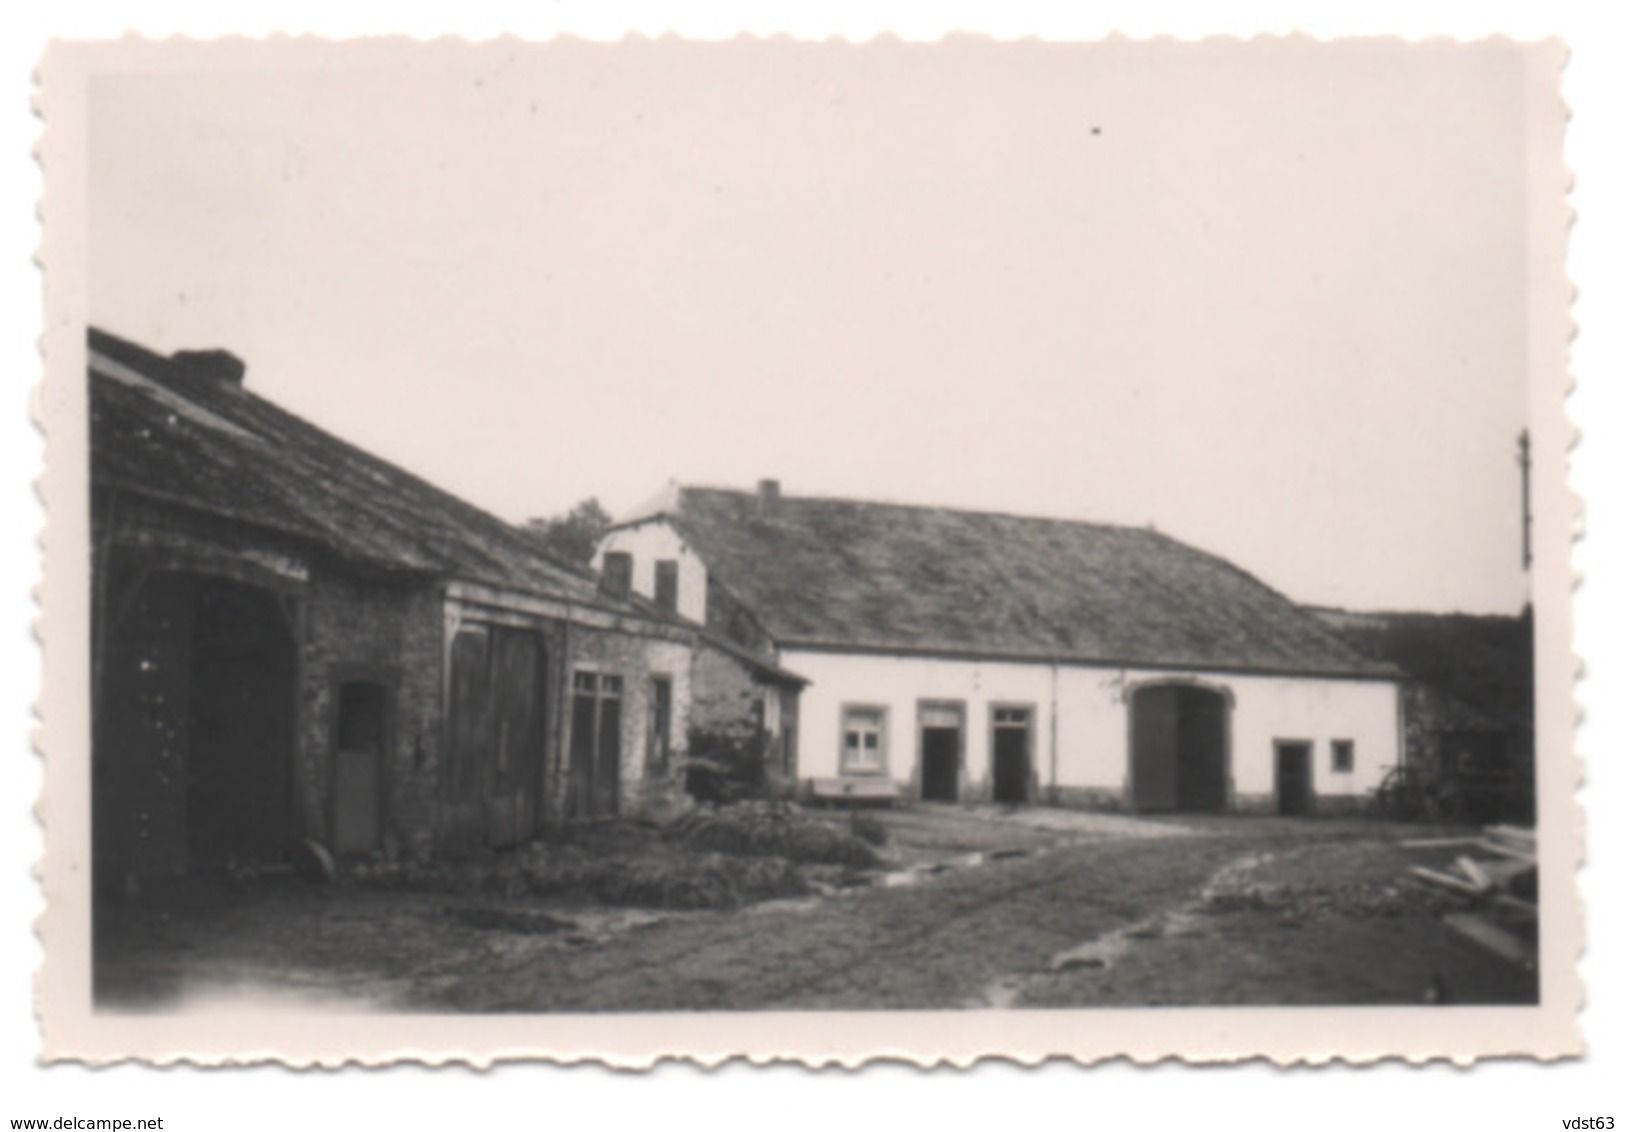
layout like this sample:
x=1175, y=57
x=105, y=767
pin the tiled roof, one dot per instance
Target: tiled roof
x=845, y=574
x=165, y=429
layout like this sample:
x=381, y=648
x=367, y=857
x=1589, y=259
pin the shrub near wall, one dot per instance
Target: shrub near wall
x=726, y=765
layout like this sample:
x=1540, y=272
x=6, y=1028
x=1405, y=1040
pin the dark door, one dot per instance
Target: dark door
x=512, y=782
x=1180, y=748
x=1012, y=735
x=606, y=785
x=583, y=743
x=1294, y=787
x=1156, y=748
x=358, y=767
x=1204, y=771
x=468, y=732
x=594, y=788
x=941, y=733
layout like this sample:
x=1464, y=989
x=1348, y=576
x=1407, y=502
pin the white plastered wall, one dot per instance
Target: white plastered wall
x=1080, y=735
x=649, y=543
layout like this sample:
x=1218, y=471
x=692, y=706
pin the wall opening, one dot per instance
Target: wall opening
x=594, y=788
x=658, y=756
x=942, y=745
x=239, y=774
x=493, y=786
x=358, y=766
x=1012, y=754
x=1180, y=748
x=1294, y=777
x=666, y=585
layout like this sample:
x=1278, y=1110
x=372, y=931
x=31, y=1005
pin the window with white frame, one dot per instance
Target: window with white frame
x=863, y=740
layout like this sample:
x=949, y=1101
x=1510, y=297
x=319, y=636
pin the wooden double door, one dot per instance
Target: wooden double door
x=494, y=782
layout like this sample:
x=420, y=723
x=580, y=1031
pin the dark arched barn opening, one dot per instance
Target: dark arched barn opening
x=1181, y=748
x=192, y=752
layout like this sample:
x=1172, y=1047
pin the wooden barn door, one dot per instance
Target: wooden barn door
x=492, y=786
x=514, y=775
x=468, y=736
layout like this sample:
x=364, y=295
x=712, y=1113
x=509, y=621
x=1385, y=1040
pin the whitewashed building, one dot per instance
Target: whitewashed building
x=955, y=656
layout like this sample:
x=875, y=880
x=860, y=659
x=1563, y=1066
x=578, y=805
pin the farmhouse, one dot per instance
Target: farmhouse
x=294, y=640
x=954, y=655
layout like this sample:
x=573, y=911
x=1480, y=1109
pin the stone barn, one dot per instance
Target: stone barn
x=294, y=640
x=954, y=655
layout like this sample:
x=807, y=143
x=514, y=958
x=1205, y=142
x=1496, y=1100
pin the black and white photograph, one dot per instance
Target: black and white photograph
x=951, y=543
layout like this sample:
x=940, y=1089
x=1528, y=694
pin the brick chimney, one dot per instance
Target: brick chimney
x=218, y=365
x=767, y=498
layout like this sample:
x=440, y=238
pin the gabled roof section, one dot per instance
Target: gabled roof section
x=844, y=574
x=171, y=431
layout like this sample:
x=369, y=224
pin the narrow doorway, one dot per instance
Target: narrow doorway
x=358, y=767
x=1294, y=782
x=594, y=788
x=1012, y=754
x=942, y=738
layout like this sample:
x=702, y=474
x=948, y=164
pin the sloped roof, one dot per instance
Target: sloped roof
x=166, y=430
x=844, y=574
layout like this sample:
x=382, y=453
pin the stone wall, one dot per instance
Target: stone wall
x=645, y=790
x=390, y=635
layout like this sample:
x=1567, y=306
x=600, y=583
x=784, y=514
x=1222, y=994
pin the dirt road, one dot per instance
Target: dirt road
x=1231, y=910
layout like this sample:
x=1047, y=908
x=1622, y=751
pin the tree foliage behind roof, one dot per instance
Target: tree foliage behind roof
x=573, y=536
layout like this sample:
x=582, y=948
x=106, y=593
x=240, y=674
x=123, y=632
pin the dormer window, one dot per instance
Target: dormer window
x=616, y=580
x=666, y=585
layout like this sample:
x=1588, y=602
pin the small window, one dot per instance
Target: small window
x=863, y=741
x=1343, y=756
x=586, y=681
x=659, y=753
x=666, y=585
x=617, y=576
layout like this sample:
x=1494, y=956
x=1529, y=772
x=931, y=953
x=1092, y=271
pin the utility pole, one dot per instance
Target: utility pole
x=1528, y=520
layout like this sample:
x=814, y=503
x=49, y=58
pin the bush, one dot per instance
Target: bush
x=774, y=829
x=868, y=829
x=724, y=768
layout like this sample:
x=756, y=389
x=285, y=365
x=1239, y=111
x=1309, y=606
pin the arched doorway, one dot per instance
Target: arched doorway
x=192, y=747
x=1180, y=744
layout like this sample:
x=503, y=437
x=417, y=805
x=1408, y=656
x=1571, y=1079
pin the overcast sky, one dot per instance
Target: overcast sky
x=1268, y=297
